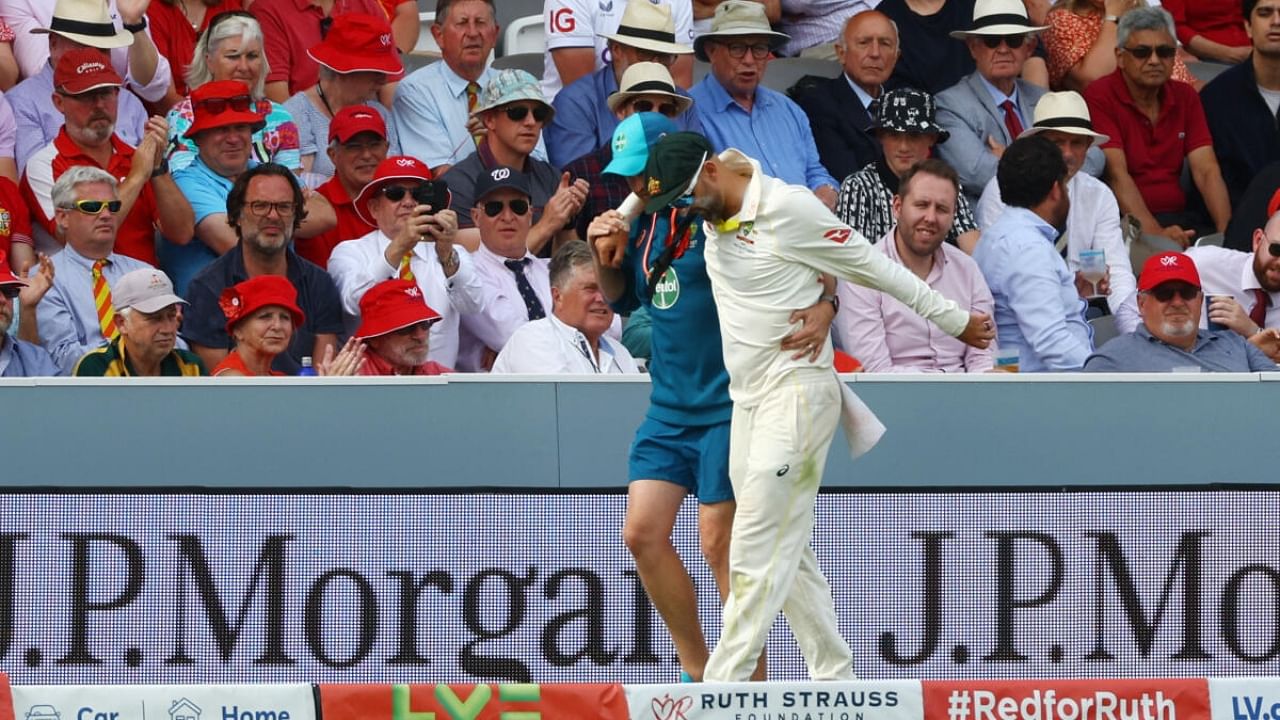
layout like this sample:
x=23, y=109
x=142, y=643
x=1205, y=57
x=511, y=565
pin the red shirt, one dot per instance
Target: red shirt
x=233, y=361
x=1221, y=21
x=350, y=226
x=136, y=235
x=176, y=39
x=15, y=219
x=290, y=27
x=1154, y=154
x=375, y=365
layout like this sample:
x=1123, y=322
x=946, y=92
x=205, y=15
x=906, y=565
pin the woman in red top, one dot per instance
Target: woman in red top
x=1081, y=43
x=261, y=315
x=1211, y=29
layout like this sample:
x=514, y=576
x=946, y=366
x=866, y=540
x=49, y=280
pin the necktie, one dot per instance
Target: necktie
x=405, y=273
x=531, y=302
x=1011, y=120
x=473, y=97
x=102, y=302
x=1261, y=301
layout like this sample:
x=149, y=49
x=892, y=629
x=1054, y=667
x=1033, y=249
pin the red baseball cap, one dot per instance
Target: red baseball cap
x=85, y=69
x=220, y=103
x=7, y=278
x=243, y=299
x=1274, y=204
x=355, y=119
x=1168, y=267
x=357, y=42
x=392, y=305
x=395, y=167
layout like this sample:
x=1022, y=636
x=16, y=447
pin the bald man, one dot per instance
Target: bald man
x=838, y=108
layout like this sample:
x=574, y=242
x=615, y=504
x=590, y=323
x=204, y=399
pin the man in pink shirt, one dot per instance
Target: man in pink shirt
x=884, y=334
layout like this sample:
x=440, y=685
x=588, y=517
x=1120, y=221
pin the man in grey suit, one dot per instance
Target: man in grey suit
x=990, y=107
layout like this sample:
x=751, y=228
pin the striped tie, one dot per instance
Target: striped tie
x=102, y=302
x=473, y=98
x=405, y=272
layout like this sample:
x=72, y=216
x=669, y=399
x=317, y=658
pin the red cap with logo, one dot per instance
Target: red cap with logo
x=1168, y=267
x=396, y=167
x=85, y=69
x=7, y=278
x=355, y=119
x=392, y=305
x=357, y=42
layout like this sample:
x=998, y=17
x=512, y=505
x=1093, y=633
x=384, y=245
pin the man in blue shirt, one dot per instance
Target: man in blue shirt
x=735, y=111
x=1038, y=306
x=19, y=358
x=584, y=120
x=1170, y=338
x=682, y=447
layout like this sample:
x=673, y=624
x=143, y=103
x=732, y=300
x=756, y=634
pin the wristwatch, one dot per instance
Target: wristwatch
x=1111, y=18
x=161, y=169
x=833, y=299
x=137, y=27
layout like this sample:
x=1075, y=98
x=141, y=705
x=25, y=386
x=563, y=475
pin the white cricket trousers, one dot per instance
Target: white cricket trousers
x=777, y=451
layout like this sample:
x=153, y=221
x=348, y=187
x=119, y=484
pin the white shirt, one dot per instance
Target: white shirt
x=503, y=310
x=584, y=23
x=357, y=265
x=1230, y=272
x=764, y=263
x=550, y=347
x=1093, y=223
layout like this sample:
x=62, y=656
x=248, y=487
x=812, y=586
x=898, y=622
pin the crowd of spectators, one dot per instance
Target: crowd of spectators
x=253, y=187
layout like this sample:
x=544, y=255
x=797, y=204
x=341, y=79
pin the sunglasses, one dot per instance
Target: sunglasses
x=666, y=108
x=738, y=50
x=517, y=113
x=95, y=207
x=1142, y=52
x=9, y=292
x=493, y=208
x=217, y=106
x=224, y=16
x=1164, y=293
x=1013, y=41
x=395, y=193
x=1274, y=249
x=262, y=208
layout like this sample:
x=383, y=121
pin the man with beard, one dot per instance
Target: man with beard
x=1169, y=298
x=86, y=88
x=1243, y=289
x=264, y=209
x=884, y=334
x=1038, y=308
x=395, y=324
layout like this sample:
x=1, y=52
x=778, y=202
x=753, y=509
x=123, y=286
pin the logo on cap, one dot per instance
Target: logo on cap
x=1169, y=261
x=404, y=162
x=156, y=281
x=361, y=115
x=90, y=67
x=620, y=143
x=385, y=39
x=500, y=174
x=412, y=292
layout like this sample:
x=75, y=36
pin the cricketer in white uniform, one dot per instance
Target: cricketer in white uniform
x=764, y=261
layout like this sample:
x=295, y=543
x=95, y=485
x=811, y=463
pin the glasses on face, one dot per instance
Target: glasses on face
x=262, y=208
x=217, y=106
x=739, y=50
x=665, y=59
x=668, y=109
x=107, y=94
x=1164, y=293
x=517, y=113
x=367, y=146
x=395, y=193
x=1142, y=52
x=493, y=208
x=95, y=207
x=1013, y=41
x=9, y=292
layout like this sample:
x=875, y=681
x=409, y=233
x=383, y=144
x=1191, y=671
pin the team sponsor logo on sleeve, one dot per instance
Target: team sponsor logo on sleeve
x=840, y=236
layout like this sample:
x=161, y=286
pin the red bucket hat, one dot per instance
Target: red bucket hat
x=392, y=305
x=357, y=42
x=396, y=167
x=355, y=119
x=7, y=278
x=221, y=103
x=243, y=299
x=85, y=69
x=1167, y=267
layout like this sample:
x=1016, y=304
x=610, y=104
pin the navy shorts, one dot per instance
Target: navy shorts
x=696, y=458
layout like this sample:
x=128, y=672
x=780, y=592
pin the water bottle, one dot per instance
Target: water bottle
x=308, y=370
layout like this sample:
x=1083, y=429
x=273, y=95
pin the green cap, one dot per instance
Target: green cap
x=673, y=164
